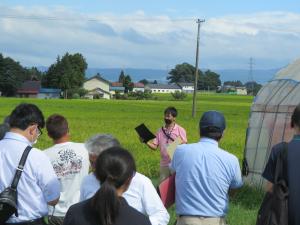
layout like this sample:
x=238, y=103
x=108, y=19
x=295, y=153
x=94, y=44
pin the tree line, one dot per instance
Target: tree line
x=68, y=74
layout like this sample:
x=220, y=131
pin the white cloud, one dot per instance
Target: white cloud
x=36, y=35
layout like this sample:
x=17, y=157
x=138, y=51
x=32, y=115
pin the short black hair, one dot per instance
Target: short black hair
x=295, y=120
x=57, y=126
x=25, y=115
x=171, y=110
x=211, y=132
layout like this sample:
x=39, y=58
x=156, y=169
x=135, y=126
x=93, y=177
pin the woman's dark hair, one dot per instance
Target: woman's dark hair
x=25, y=115
x=295, y=121
x=114, y=167
x=171, y=110
x=57, y=126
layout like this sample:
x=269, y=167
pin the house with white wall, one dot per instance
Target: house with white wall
x=97, y=87
x=138, y=87
x=241, y=90
x=186, y=87
x=162, y=88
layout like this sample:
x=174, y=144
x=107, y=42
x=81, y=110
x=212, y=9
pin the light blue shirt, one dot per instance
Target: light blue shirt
x=204, y=174
x=38, y=183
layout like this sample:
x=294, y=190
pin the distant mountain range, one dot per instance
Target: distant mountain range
x=112, y=74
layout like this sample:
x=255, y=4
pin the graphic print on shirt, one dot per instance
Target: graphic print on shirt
x=67, y=163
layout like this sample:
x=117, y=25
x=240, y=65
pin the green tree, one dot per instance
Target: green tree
x=12, y=75
x=179, y=95
x=127, y=84
x=182, y=73
x=67, y=73
x=122, y=77
x=253, y=87
x=235, y=83
x=144, y=81
x=209, y=80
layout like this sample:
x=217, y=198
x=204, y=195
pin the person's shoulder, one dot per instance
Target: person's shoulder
x=278, y=148
x=133, y=216
x=228, y=155
x=78, y=208
x=187, y=146
x=76, y=145
x=79, y=205
x=89, y=178
x=179, y=127
x=141, y=179
x=39, y=154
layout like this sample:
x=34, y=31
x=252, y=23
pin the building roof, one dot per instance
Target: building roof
x=116, y=84
x=181, y=84
x=98, y=78
x=138, y=85
x=30, y=87
x=162, y=86
x=50, y=90
x=98, y=90
x=116, y=88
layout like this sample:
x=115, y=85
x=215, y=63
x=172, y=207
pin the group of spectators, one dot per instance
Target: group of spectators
x=56, y=187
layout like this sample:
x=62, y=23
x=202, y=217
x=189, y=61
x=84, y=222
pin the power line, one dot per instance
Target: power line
x=55, y=18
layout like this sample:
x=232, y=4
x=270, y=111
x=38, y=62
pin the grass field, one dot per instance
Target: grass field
x=119, y=117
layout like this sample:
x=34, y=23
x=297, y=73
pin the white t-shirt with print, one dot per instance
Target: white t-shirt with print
x=71, y=164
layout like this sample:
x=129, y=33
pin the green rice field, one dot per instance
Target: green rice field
x=120, y=117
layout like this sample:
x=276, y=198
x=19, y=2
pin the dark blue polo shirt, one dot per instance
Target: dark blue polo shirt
x=293, y=175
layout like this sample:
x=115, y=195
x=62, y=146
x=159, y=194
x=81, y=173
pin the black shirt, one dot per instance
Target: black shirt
x=82, y=214
x=293, y=175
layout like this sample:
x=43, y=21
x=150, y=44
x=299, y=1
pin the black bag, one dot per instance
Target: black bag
x=274, y=208
x=8, y=197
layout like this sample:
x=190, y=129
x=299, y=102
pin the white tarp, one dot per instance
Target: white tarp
x=292, y=71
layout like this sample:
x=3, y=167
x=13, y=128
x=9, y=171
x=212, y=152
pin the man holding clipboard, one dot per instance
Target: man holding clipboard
x=165, y=136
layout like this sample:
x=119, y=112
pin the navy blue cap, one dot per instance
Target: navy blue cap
x=213, y=119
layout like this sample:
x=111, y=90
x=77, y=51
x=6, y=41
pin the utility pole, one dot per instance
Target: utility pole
x=196, y=72
x=251, y=74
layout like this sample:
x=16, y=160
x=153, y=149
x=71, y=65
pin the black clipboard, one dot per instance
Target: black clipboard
x=144, y=133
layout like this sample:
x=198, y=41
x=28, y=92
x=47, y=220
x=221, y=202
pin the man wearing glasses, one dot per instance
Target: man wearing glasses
x=38, y=186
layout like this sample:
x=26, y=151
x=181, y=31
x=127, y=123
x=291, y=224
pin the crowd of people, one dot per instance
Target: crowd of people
x=56, y=187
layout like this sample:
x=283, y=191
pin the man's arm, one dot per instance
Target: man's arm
x=151, y=145
x=48, y=180
x=54, y=202
x=237, y=180
x=269, y=187
x=154, y=207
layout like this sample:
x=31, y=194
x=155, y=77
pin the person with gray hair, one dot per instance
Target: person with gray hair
x=141, y=193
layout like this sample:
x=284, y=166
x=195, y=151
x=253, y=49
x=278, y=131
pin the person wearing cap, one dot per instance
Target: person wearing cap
x=204, y=175
x=164, y=137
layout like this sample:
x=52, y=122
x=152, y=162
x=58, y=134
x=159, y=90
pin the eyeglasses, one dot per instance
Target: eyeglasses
x=39, y=131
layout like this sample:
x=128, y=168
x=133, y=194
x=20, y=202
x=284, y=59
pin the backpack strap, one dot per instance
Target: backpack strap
x=167, y=135
x=20, y=168
x=281, y=170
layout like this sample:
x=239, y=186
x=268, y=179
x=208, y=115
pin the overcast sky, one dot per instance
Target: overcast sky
x=159, y=35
